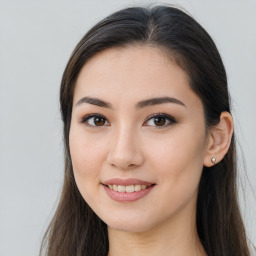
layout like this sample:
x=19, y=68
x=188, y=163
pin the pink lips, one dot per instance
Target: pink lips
x=126, y=182
x=123, y=196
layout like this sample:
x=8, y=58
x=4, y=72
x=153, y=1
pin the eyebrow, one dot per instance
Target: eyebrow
x=156, y=101
x=139, y=105
x=94, y=101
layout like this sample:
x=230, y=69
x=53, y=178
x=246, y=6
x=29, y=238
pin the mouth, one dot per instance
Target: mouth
x=127, y=190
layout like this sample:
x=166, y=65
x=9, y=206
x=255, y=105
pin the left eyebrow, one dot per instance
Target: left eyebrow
x=156, y=101
x=94, y=101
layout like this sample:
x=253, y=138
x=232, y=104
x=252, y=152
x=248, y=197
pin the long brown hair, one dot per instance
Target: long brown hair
x=75, y=229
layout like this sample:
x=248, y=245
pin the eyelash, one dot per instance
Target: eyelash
x=88, y=117
x=167, y=118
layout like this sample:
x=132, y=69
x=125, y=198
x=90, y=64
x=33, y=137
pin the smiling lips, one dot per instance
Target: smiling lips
x=127, y=190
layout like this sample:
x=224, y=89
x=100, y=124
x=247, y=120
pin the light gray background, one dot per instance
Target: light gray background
x=36, y=40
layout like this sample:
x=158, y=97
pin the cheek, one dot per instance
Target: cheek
x=85, y=150
x=87, y=157
x=179, y=163
x=177, y=151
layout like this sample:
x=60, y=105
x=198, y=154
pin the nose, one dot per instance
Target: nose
x=125, y=150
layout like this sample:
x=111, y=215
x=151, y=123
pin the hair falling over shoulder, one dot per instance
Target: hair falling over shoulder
x=75, y=230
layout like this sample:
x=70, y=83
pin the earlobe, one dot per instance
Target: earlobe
x=219, y=140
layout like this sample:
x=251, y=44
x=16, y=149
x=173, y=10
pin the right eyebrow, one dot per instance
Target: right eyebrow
x=94, y=101
x=156, y=101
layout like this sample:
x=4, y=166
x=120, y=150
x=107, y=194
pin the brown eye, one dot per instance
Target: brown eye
x=95, y=120
x=160, y=121
x=98, y=121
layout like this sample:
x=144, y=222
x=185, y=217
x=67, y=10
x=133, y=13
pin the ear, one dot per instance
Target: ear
x=219, y=140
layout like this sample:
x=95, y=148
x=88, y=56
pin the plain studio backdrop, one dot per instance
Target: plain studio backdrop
x=36, y=40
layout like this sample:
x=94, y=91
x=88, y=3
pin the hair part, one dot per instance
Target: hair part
x=219, y=223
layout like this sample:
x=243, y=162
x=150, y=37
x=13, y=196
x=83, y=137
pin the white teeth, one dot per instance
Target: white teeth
x=137, y=188
x=121, y=188
x=127, y=189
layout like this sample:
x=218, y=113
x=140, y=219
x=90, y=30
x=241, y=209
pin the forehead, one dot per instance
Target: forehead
x=131, y=73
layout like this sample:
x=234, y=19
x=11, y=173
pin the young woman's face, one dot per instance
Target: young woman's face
x=138, y=128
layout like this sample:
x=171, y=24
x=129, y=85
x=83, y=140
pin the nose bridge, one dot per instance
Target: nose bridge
x=125, y=151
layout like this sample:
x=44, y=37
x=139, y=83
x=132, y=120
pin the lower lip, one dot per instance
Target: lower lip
x=127, y=197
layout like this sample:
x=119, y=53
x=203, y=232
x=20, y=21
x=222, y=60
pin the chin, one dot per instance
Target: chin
x=130, y=225
x=129, y=228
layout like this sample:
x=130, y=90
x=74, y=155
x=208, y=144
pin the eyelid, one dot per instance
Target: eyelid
x=169, y=118
x=93, y=115
x=166, y=116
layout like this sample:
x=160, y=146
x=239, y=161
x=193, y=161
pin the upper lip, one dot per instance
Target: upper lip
x=126, y=182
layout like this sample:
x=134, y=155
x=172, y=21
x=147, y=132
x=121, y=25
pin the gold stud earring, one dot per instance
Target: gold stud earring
x=213, y=160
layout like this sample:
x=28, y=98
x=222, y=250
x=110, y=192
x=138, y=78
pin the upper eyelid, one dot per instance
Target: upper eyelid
x=170, y=119
x=167, y=116
x=89, y=116
x=149, y=117
x=92, y=115
x=160, y=114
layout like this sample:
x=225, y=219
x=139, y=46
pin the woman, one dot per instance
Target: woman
x=149, y=142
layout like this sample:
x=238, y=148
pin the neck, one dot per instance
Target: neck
x=173, y=237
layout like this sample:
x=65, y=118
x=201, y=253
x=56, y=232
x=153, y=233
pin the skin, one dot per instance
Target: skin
x=131, y=145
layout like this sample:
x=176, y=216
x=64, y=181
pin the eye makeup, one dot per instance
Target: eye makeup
x=157, y=120
x=161, y=120
x=94, y=120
